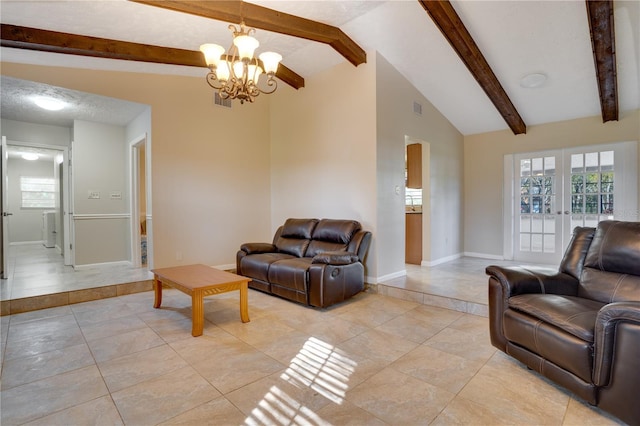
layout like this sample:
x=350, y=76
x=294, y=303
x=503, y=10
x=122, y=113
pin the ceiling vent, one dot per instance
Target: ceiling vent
x=417, y=108
x=217, y=99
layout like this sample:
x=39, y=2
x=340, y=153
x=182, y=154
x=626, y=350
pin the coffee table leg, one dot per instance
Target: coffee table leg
x=244, y=302
x=197, y=310
x=157, y=288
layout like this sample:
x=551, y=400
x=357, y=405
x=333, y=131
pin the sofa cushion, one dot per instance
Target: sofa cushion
x=615, y=248
x=257, y=265
x=573, y=315
x=299, y=228
x=290, y=273
x=335, y=231
x=608, y=287
x=548, y=341
x=318, y=247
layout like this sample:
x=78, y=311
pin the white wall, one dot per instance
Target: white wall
x=25, y=224
x=99, y=165
x=444, y=163
x=323, y=156
x=35, y=133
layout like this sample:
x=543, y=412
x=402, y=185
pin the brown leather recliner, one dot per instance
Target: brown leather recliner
x=311, y=261
x=580, y=325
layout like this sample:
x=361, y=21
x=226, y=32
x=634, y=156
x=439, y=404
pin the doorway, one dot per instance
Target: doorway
x=552, y=192
x=35, y=200
x=141, y=218
x=417, y=207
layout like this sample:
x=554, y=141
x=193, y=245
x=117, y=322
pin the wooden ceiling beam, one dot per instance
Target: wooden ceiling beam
x=600, y=14
x=451, y=26
x=72, y=44
x=255, y=16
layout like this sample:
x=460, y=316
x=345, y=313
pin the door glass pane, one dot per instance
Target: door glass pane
x=525, y=223
x=525, y=242
x=577, y=202
x=536, y=204
x=549, y=166
x=577, y=184
x=606, y=182
x=536, y=224
x=606, y=161
x=525, y=207
x=524, y=186
x=591, y=185
x=536, y=167
x=525, y=167
x=536, y=242
x=549, y=243
x=606, y=204
x=591, y=204
x=549, y=224
x=591, y=221
x=577, y=220
x=549, y=202
x=591, y=161
x=577, y=163
x=536, y=185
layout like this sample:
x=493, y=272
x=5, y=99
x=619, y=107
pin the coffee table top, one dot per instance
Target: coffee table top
x=198, y=275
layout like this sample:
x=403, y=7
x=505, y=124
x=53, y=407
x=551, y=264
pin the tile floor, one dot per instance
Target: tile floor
x=34, y=270
x=373, y=360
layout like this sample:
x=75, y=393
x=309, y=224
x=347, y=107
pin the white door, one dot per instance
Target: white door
x=5, y=213
x=559, y=190
x=538, y=210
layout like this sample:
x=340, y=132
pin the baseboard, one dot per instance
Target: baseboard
x=227, y=267
x=376, y=280
x=25, y=243
x=99, y=265
x=441, y=260
x=483, y=255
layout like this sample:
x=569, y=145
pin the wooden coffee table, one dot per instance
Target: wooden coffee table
x=199, y=281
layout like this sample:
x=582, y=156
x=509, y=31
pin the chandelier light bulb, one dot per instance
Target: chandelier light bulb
x=223, y=71
x=246, y=46
x=270, y=61
x=212, y=53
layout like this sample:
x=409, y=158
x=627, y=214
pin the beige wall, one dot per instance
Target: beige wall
x=323, y=154
x=210, y=166
x=442, y=164
x=483, y=166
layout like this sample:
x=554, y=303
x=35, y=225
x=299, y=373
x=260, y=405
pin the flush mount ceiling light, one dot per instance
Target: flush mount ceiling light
x=30, y=156
x=533, y=80
x=50, y=104
x=236, y=74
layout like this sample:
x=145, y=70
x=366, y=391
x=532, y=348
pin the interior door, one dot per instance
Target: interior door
x=5, y=212
x=538, y=210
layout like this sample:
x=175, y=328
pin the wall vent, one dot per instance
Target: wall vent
x=417, y=108
x=222, y=102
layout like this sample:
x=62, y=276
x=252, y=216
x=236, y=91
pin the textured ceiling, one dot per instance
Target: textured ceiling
x=516, y=37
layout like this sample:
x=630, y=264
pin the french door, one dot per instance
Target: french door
x=555, y=191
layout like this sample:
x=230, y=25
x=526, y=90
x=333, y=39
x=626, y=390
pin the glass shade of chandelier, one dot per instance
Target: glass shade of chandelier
x=237, y=74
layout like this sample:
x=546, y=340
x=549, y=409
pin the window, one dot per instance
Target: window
x=38, y=192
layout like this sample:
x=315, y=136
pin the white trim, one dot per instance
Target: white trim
x=225, y=267
x=483, y=255
x=97, y=265
x=101, y=216
x=377, y=280
x=26, y=243
x=441, y=260
x=508, y=213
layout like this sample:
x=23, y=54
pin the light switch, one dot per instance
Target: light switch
x=116, y=195
x=94, y=195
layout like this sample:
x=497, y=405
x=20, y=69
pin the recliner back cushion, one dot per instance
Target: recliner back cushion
x=612, y=265
x=332, y=235
x=573, y=259
x=295, y=235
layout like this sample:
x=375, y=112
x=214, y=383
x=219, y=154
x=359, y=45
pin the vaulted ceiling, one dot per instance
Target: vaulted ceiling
x=466, y=57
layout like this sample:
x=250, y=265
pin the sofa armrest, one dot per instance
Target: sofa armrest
x=335, y=258
x=609, y=345
x=255, y=248
x=517, y=280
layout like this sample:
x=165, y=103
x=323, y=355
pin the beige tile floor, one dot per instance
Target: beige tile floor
x=34, y=270
x=373, y=360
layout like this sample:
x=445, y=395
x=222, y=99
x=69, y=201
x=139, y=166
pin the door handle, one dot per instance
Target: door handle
x=560, y=212
x=7, y=214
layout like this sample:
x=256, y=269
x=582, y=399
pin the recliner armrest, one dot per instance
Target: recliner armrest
x=255, y=248
x=335, y=258
x=608, y=323
x=517, y=280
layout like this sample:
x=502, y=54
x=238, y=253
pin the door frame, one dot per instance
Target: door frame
x=142, y=141
x=65, y=207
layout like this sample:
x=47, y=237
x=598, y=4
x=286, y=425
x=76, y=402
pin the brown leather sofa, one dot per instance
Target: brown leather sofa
x=311, y=261
x=580, y=325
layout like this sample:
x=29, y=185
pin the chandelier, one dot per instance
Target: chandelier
x=236, y=74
